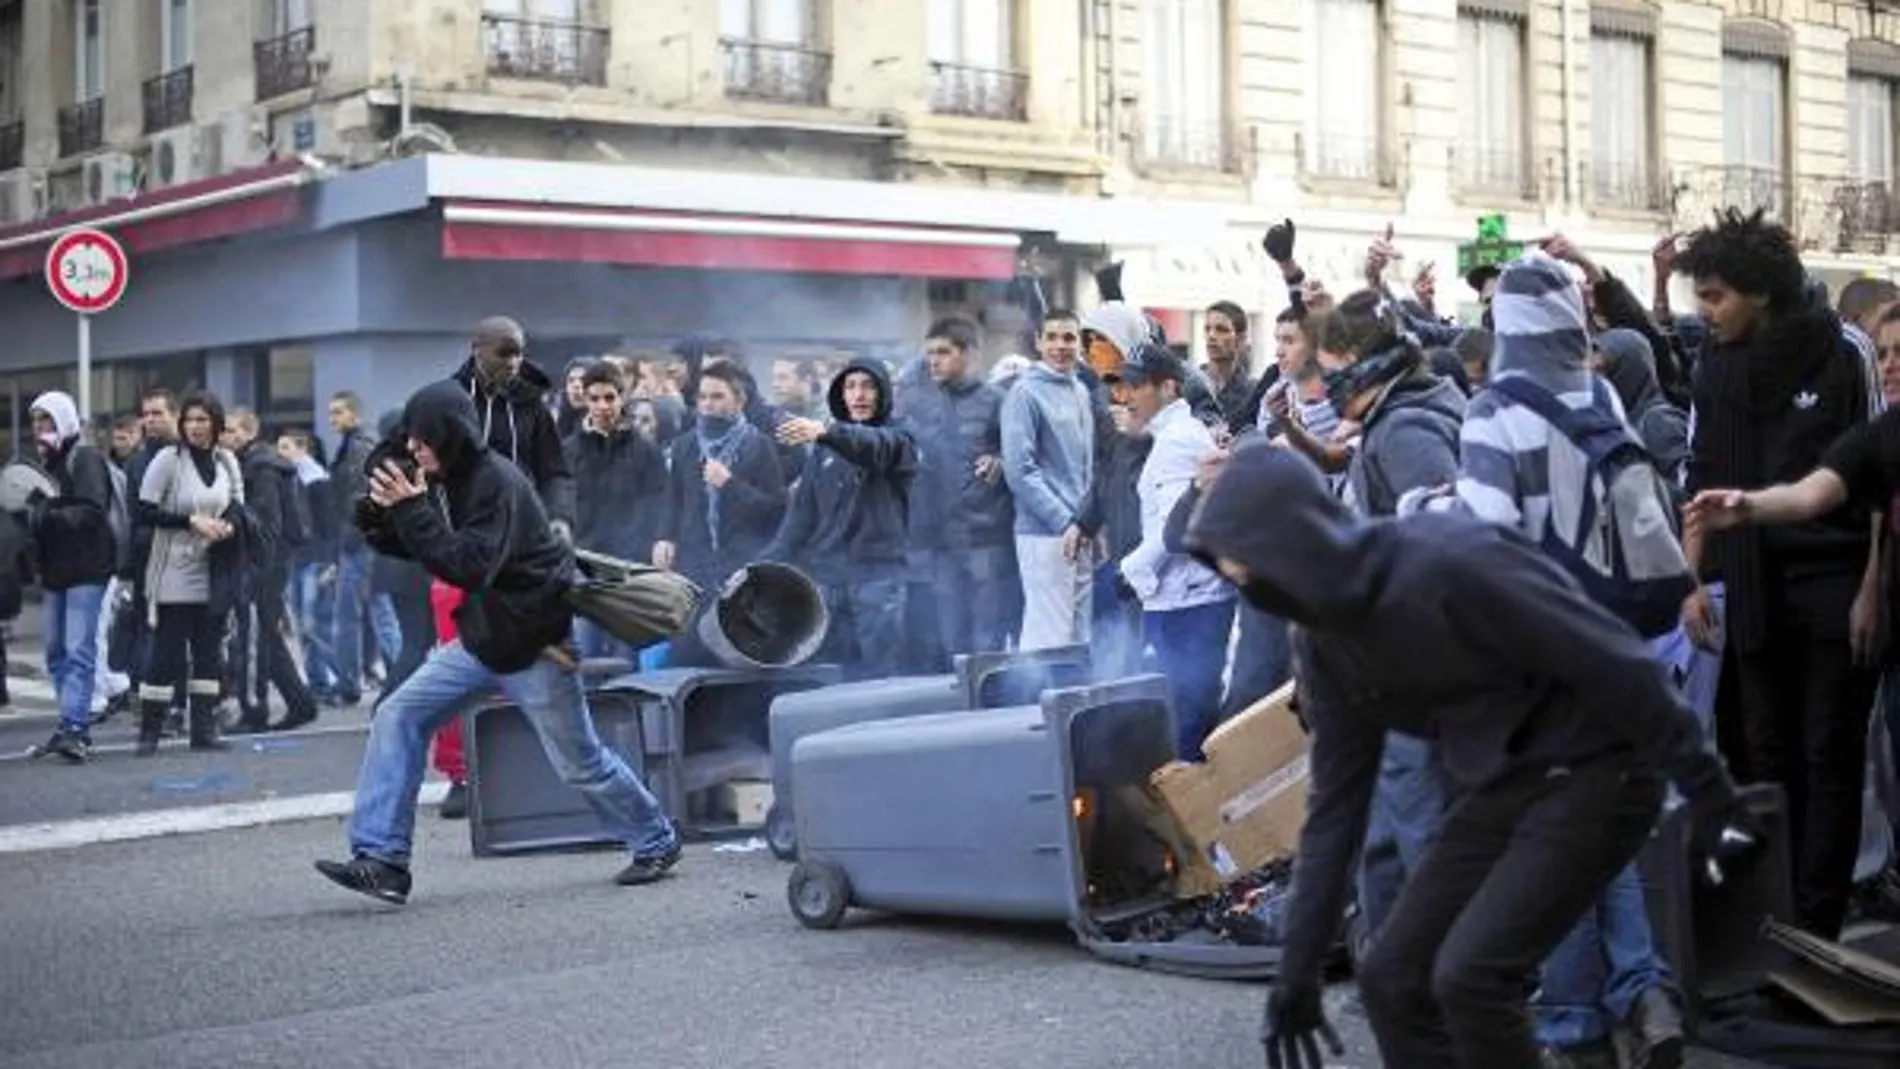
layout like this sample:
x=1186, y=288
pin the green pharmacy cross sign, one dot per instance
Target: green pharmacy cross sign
x=1493, y=247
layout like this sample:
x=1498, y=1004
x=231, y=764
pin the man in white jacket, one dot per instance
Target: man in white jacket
x=1187, y=610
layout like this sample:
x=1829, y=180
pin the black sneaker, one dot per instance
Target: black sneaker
x=653, y=867
x=74, y=747
x=455, y=803
x=368, y=876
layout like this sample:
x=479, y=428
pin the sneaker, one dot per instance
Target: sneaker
x=72, y=746
x=455, y=803
x=368, y=876
x=653, y=867
x=1655, y=1032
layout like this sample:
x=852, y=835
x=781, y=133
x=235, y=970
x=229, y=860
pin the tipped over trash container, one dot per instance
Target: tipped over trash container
x=765, y=616
x=1029, y=813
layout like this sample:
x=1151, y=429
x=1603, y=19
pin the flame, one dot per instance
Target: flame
x=1080, y=806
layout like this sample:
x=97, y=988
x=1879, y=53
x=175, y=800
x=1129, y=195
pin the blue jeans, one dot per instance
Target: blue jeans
x=70, y=627
x=1191, y=646
x=383, y=826
x=382, y=617
x=594, y=640
x=1408, y=810
x=312, y=606
x=866, y=635
x=1263, y=660
x=346, y=624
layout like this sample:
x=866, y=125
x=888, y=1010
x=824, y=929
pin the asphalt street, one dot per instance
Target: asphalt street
x=226, y=949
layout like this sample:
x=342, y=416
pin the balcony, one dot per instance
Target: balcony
x=167, y=100
x=12, y=145
x=780, y=73
x=1632, y=185
x=979, y=92
x=81, y=127
x=283, y=62
x=1347, y=158
x=545, y=50
x=1750, y=188
x=1173, y=143
x=1869, y=215
x=1487, y=171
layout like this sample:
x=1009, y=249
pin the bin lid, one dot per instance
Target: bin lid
x=1208, y=961
x=674, y=684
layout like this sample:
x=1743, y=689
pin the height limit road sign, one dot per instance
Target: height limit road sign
x=87, y=272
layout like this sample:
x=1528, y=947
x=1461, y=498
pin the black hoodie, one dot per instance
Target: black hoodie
x=268, y=480
x=480, y=528
x=516, y=423
x=1439, y=626
x=619, y=490
x=850, y=516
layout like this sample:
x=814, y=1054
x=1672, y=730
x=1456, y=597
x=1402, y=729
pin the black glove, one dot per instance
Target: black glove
x=1279, y=241
x=1727, y=839
x=1108, y=281
x=1294, y=1027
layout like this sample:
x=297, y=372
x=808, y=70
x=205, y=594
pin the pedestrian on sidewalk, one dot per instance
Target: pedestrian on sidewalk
x=474, y=520
x=75, y=554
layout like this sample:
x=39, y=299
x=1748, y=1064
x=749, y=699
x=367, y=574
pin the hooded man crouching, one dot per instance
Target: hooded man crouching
x=1551, y=717
x=475, y=522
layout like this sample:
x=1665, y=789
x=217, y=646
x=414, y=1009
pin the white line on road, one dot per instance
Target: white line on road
x=260, y=742
x=66, y=834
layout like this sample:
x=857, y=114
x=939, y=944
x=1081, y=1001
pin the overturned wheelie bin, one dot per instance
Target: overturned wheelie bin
x=1036, y=813
x=983, y=680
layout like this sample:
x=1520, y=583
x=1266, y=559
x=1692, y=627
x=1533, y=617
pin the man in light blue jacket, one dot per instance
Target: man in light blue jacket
x=1049, y=463
x=1187, y=610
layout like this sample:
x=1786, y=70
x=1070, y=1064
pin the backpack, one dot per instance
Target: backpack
x=1622, y=546
x=118, y=512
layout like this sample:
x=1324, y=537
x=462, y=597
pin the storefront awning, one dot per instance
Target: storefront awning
x=486, y=230
x=241, y=202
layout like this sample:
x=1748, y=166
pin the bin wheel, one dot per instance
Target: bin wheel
x=781, y=833
x=818, y=894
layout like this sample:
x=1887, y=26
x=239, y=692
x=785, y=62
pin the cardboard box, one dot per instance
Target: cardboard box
x=1243, y=807
x=746, y=800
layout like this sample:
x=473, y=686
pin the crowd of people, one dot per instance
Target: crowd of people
x=974, y=498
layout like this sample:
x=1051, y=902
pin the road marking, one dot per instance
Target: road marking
x=88, y=831
x=237, y=741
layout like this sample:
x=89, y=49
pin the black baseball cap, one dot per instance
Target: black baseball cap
x=1478, y=276
x=1148, y=363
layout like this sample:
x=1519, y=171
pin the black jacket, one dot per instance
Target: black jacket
x=481, y=529
x=952, y=425
x=349, y=481
x=70, y=531
x=268, y=480
x=619, y=490
x=850, y=516
x=1439, y=626
x=750, y=506
x=516, y=423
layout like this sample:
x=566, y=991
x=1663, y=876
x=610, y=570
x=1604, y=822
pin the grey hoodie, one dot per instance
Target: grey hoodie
x=1410, y=443
x=1048, y=450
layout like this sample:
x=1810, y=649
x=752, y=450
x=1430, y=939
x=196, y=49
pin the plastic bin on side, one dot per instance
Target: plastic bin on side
x=1018, y=677
x=807, y=712
x=998, y=814
x=516, y=802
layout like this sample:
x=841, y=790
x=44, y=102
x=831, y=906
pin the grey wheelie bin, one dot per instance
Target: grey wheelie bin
x=685, y=730
x=984, y=680
x=1001, y=814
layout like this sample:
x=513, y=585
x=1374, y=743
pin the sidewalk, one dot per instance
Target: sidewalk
x=27, y=685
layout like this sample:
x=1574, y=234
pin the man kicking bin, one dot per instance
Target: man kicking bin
x=1553, y=720
x=473, y=520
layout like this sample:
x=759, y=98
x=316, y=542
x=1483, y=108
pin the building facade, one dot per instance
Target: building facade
x=323, y=194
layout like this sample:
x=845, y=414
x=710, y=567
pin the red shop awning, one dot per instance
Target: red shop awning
x=489, y=231
x=241, y=202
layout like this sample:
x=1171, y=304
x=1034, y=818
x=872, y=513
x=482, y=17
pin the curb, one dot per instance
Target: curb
x=123, y=827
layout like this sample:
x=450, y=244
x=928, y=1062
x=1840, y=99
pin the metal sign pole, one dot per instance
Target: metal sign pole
x=85, y=370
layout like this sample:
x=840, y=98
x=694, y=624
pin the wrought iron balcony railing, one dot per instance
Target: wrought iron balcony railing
x=547, y=50
x=81, y=127
x=1633, y=185
x=1749, y=188
x=12, y=145
x=1347, y=158
x=785, y=74
x=1168, y=142
x=283, y=62
x=1869, y=214
x=167, y=100
x=979, y=92
x=1494, y=171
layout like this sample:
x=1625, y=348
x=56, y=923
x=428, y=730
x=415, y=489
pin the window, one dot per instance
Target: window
x=1622, y=173
x=1344, y=135
x=536, y=10
x=12, y=60
x=1184, y=116
x=785, y=22
x=175, y=31
x=1490, y=153
x=1870, y=130
x=1754, y=137
x=288, y=16
x=971, y=33
x=89, y=60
